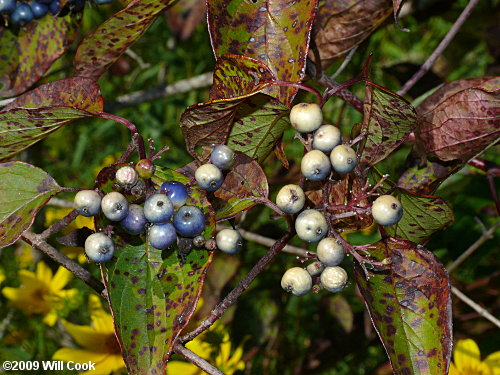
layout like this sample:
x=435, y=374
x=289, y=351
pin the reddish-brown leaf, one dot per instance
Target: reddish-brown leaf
x=343, y=24
x=425, y=179
x=459, y=120
x=99, y=50
x=239, y=76
x=26, y=56
x=397, y=8
x=410, y=307
x=273, y=32
x=78, y=92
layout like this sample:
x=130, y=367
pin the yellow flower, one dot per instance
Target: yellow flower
x=2, y=275
x=214, y=346
x=467, y=360
x=98, y=342
x=42, y=293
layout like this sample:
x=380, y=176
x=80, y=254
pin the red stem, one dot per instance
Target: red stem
x=301, y=86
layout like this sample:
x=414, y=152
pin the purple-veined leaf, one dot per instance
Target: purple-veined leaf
x=459, y=120
x=24, y=189
x=26, y=56
x=343, y=24
x=410, y=307
x=273, y=32
x=388, y=120
x=99, y=50
x=153, y=293
x=425, y=179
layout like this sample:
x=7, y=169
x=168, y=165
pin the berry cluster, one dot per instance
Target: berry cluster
x=21, y=13
x=310, y=224
x=164, y=215
x=210, y=177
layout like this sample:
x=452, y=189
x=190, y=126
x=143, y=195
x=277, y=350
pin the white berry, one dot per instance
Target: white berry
x=333, y=279
x=99, y=247
x=291, y=199
x=387, y=210
x=315, y=165
x=114, y=206
x=311, y=225
x=306, y=117
x=330, y=252
x=315, y=268
x=126, y=175
x=343, y=159
x=326, y=138
x=87, y=202
x=209, y=177
x=229, y=241
x=297, y=281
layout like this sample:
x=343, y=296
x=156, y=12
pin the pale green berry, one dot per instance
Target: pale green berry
x=297, y=281
x=387, y=210
x=311, y=225
x=326, y=138
x=306, y=117
x=330, y=252
x=333, y=279
x=343, y=159
x=291, y=199
x=315, y=165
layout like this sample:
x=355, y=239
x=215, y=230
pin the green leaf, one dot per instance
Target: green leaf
x=422, y=217
x=153, y=293
x=239, y=76
x=273, y=32
x=24, y=189
x=20, y=128
x=26, y=56
x=99, y=50
x=243, y=186
x=410, y=307
x=425, y=179
x=259, y=123
x=388, y=120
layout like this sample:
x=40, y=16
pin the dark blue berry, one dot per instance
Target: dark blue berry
x=22, y=15
x=39, y=10
x=161, y=236
x=189, y=221
x=45, y=1
x=158, y=208
x=55, y=7
x=102, y=2
x=175, y=191
x=135, y=221
x=7, y=6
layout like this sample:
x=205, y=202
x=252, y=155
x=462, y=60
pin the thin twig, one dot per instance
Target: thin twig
x=487, y=235
x=440, y=48
x=266, y=241
x=346, y=62
x=195, y=359
x=39, y=243
x=56, y=227
x=7, y=101
x=180, y=87
x=480, y=310
x=58, y=202
x=242, y=286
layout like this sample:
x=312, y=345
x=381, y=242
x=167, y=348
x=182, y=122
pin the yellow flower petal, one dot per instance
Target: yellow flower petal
x=466, y=355
x=51, y=318
x=61, y=278
x=79, y=355
x=493, y=362
x=43, y=273
x=2, y=275
x=87, y=336
x=101, y=320
x=184, y=368
x=112, y=362
x=453, y=370
x=29, y=280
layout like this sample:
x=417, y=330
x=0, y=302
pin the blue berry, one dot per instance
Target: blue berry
x=175, y=191
x=189, y=221
x=102, y=2
x=158, y=208
x=209, y=177
x=22, y=15
x=162, y=236
x=55, y=7
x=99, y=247
x=114, y=206
x=135, y=221
x=87, y=202
x=7, y=6
x=222, y=157
x=39, y=9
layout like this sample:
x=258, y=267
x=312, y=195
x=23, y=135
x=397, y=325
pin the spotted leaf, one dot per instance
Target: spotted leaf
x=99, y=50
x=273, y=32
x=342, y=25
x=388, y=120
x=459, y=120
x=26, y=56
x=239, y=76
x=160, y=289
x=410, y=307
x=24, y=189
x=22, y=127
x=425, y=179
